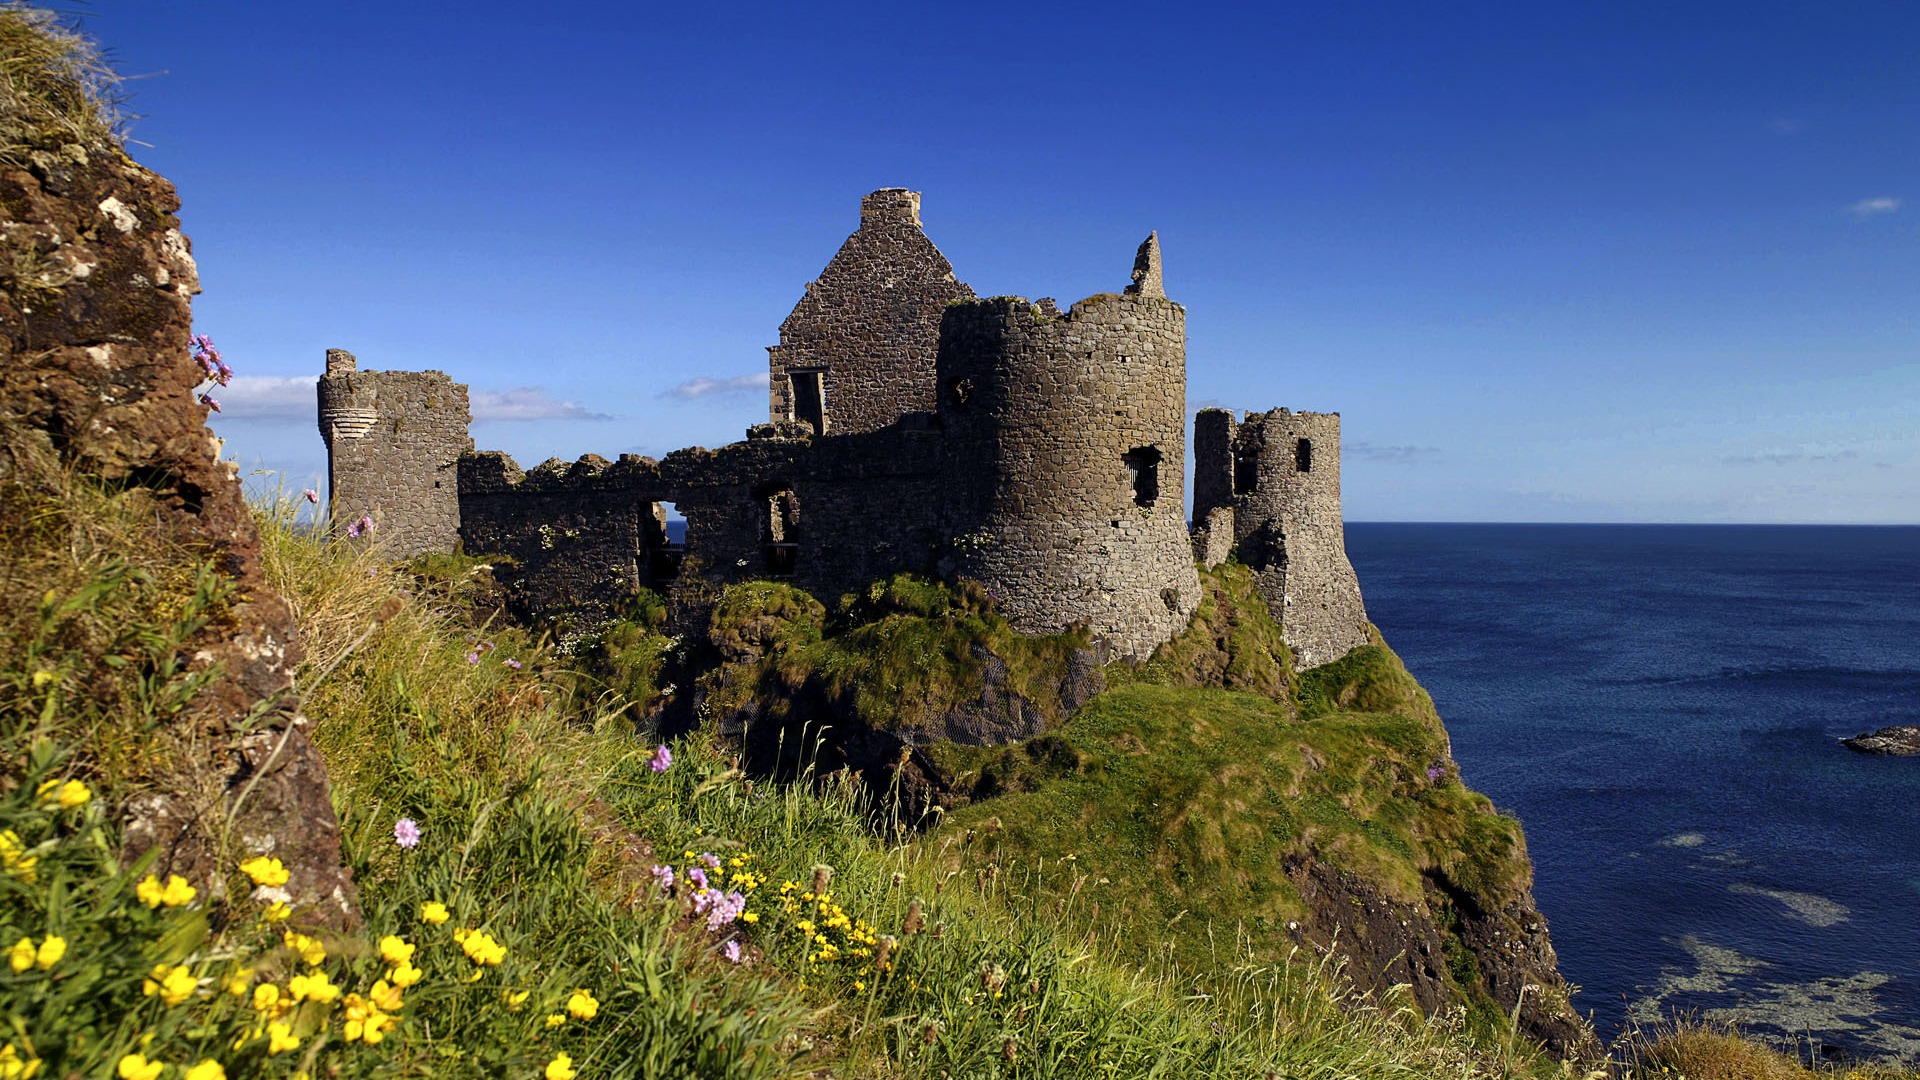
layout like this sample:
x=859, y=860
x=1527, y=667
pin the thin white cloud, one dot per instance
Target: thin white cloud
x=1392, y=455
x=705, y=386
x=527, y=403
x=267, y=397
x=1791, y=457
x=1874, y=207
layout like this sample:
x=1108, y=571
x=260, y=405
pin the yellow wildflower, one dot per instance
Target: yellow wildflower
x=265, y=871
x=749, y=917
x=269, y=999
x=365, y=1021
x=314, y=986
x=172, y=985
x=174, y=893
x=310, y=950
x=206, y=1069
x=560, y=1068
x=12, y=1068
x=513, y=1000
x=42, y=678
x=386, y=997
x=433, y=913
x=137, y=1067
x=276, y=912
x=554, y=1020
x=280, y=1038
x=64, y=794
x=395, y=950
x=13, y=855
x=237, y=981
x=405, y=975
x=481, y=948
x=51, y=950
x=21, y=955
x=582, y=1005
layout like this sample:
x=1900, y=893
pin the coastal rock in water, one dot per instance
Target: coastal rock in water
x=98, y=387
x=1899, y=739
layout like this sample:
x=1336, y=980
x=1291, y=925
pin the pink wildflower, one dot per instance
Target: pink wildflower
x=512, y=663
x=662, y=759
x=311, y=496
x=209, y=401
x=473, y=658
x=406, y=832
x=664, y=876
x=732, y=952
x=363, y=525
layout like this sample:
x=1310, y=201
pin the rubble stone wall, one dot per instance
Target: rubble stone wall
x=1065, y=462
x=1288, y=528
x=393, y=438
x=869, y=326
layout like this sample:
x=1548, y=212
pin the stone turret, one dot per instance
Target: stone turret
x=1274, y=479
x=857, y=352
x=393, y=440
x=1065, y=446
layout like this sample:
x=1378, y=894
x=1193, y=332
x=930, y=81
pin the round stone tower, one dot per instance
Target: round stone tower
x=1065, y=462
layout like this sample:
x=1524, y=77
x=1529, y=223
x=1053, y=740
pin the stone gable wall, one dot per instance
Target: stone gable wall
x=1050, y=421
x=871, y=323
x=393, y=438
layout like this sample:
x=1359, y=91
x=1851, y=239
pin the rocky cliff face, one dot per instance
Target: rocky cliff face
x=97, y=387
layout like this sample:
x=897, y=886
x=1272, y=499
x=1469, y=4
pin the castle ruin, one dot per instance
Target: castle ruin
x=912, y=427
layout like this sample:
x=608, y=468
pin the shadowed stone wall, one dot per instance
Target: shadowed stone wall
x=831, y=515
x=1280, y=474
x=392, y=440
x=1065, y=456
x=866, y=332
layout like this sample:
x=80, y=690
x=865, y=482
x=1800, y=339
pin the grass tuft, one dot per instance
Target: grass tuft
x=55, y=89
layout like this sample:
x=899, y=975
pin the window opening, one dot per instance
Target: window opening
x=665, y=540
x=1143, y=471
x=809, y=399
x=1303, y=455
x=780, y=532
x=1246, y=472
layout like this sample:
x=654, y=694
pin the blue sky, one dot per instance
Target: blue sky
x=1586, y=262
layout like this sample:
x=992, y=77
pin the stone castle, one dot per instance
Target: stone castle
x=912, y=427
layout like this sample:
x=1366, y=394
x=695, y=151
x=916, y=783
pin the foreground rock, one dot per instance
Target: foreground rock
x=98, y=388
x=1898, y=740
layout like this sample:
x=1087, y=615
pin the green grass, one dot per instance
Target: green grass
x=54, y=88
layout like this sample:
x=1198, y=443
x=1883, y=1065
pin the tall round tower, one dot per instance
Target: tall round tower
x=1065, y=462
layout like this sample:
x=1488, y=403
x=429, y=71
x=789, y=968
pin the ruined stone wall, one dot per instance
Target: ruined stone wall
x=393, y=438
x=1285, y=472
x=1065, y=463
x=831, y=515
x=576, y=542
x=870, y=325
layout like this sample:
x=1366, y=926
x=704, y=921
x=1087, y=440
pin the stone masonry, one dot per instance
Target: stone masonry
x=1279, y=475
x=858, y=347
x=393, y=439
x=913, y=428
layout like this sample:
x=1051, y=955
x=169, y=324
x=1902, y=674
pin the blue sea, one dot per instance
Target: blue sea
x=1661, y=706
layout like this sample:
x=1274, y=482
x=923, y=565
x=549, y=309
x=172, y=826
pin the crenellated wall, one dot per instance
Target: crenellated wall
x=392, y=440
x=1065, y=452
x=1279, y=474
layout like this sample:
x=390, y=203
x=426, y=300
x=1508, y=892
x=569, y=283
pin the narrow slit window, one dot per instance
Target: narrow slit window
x=809, y=401
x=779, y=535
x=1303, y=455
x=1143, y=471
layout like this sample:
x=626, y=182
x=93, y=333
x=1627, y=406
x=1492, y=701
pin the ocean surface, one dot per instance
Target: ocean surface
x=1661, y=706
